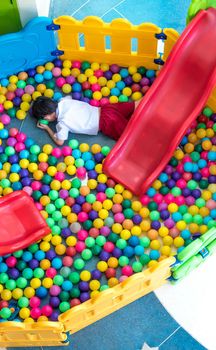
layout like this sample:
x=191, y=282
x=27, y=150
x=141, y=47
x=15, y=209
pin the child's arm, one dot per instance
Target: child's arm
x=51, y=134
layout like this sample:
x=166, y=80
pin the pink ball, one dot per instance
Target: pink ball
x=174, y=232
x=187, y=176
x=127, y=270
x=21, y=137
x=95, y=103
x=104, y=101
x=145, y=199
x=56, y=72
x=81, y=173
x=11, y=141
x=13, y=132
x=82, y=216
x=63, y=194
x=108, y=247
x=205, y=172
x=39, y=206
x=29, y=89
x=51, y=272
x=95, y=87
x=76, y=64
x=66, y=151
x=122, y=278
x=181, y=183
x=180, y=168
x=211, y=204
x=28, y=190
x=98, y=73
x=5, y=119
x=158, y=198
x=35, y=312
x=180, y=200
x=19, y=146
x=34, y=302
x=100, y=196
x=59, y=176
x=67, y=261
x=43, y=166
x=60, y=81
x=169, y=198
x=56, y=152
x=19, y=92
x=10, y=95
x=119, y=218
x=36, y=185
x=82, y=235
x=11, y=261
x=116, y=208
x=46, y=310
x=186, y=159
x=1, y=108
x=80, y=246
x=55, y=290
x=204, y=155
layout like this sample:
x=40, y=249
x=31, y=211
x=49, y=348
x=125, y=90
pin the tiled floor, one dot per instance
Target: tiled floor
x=144, y=320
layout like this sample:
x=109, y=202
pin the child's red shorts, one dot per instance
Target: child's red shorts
x=114, y=118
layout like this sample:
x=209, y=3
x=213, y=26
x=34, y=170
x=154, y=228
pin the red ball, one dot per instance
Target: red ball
x=108, y=247
x=71, y=251
x=86, y=85
x=93, y=232
x=75, y=302
x=135, y=87
x=111, y=183
x=110, y=272
x=10, y=95
x=144, y=89
x=70, y=201
x=67, y=261
x=13, y=132
x=3, y=303
x=86, y=207
x=43, y=166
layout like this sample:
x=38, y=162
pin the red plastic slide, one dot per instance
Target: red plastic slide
x=175, y=99
x=21, y=224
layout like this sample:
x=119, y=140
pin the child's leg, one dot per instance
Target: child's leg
x=114, y=118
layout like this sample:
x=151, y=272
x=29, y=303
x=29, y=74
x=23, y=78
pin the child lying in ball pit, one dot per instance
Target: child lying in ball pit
x=82, y=118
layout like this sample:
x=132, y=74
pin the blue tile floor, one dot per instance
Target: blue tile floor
x=145, y=320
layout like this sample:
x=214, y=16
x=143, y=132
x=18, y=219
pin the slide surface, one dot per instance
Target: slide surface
x=175, y=99
x=21, y=222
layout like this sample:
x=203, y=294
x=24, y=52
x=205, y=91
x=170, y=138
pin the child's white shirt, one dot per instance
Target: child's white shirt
x=77, y=117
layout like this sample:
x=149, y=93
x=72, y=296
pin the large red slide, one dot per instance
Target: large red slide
x=169, y=107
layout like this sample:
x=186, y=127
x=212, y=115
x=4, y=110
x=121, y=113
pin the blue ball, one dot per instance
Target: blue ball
x=47, y=75
x=89, y=164
x=39, y=78
x=57, y=263
x=27, y=256
x=120, y=85
x=4, y=134
x=128, y=251
x=39, y=255
x=41, y=292
x=3, y=267
x=212, y=156
x=15, y=168
x=67, y=286
x=4, y=82
x=188, y=166
x=57, y=96
x=29, y=142
x=185, y=234
x=151, y=192
x=163, y=177
x=133, y=241
x=16, y=186
x=176, y=216
x=76, y=87
x=115, y=91
x=150, y=73
x=86, y=156
x=139, y=250
x=154, y=254
x=124, y=72
x=24, y=154
x=76, y=153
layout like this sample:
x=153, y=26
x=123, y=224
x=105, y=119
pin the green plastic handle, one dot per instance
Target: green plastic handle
x=187, y=267
x=194, y=247
x=43, y=121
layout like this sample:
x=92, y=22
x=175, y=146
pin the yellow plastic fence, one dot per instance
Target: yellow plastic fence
x=16, y=334
x=96, y=33
x=113, y=299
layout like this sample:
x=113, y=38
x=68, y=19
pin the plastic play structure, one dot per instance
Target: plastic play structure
x=21, y=222
x=162, y=118
x=131, y=152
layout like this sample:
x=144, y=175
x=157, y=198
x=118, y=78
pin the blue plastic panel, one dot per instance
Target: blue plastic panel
x=28, y=48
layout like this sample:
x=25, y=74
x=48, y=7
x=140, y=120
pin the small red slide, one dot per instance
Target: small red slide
x=175, y=99
x=21, y=224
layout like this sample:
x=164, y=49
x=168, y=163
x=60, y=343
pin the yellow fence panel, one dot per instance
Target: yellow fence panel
x=172, y=37
x=108, y=42
x=17, y=334
x=212, y=100
x=115, y=298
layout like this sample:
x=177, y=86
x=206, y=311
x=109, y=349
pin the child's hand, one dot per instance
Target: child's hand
x=42, y=126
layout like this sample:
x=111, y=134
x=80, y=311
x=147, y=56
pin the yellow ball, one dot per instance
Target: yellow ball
x=71, y=241
x=65, y=210
x=61, y=167
x=82, y=78
x=14, y=177
x=167, y=240
x=7, y=191
x=24, y=163
x=67, y=64
x=136, y=96
x=157, y=184
x=178, y=242
x=112, y=262
x=47, y=148
x=136, y=205
x=40, y=69
x=8, y=105
x=112, y=282
x=49, y=66
x=12, y=87
x=24, y=313
x=152, y=263
x=136, y=77
x=97, y=95
x=29, y=320
x=97, y=205
x=66, y=72
x=13, y=79
x=32, y=167
x=117, y=228
x=3, y=90
x=35, y=283
x=42, y=319
x=132, y=70
x=71, y=169
x=17, y=293
x=20, y=114
x=113, y=99
x=66, y=184
x=69, y=160
x=103, y=214
x=102, y=178
x=84, y=147
x=72, y=217
x=66, y=88
x=47, y=282
x=1, y=126
x=155, y=244
x=75, y=72
x=125, y=234
x=94, y=285
x=110, y=84
x=38, y=174
x=3, y=174
x=29, y=292
x=45, y=246
x=89, y=72
x=117, y=198
x=85, y=275
x=7, y=167
x=35, y=95
x=92, y=79
x=105, y=91
x=102, y=81
x=51, y=170
x=102, y=266
x=41, y=88
x=116, y=77
x=55, y=185
x=44, y=214
x=49, y=93
x=26, y=98
x=172, y=207
x=107, y=204
x=56, y=240
x=163, y=231
x=166, y=250
x=207, y=145
x=95, y=66
x=6, y=295
x=92, y=184
x=181, y=225
x=2, y=99
x=98, y=168
x=43, y=157
x=60, y=249
x=98, y=223
x=104, y=67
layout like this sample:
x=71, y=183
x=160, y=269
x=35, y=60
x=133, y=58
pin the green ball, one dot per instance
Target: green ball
x=197, y=219
x=75, y=292
x=23, y=302
x=50, y=208
x=87, y=224
x=73, y=143
x=90, y=198
x=152, y=206
x=195, y=156
x=63, y=223
x=113, y=237
x=3, y=277
x=59, y=203
x=200, y=202
x=21, y=265
x=74, y=277
x=173, y=161
x=121, y=243
x=192, y=185
x=18, y=254
x=188, y=218
x=164, y=190
x=109, y=222
x=203, y=184
x=53, y=194
x=33, y=248
x=21, y=282
x=86, y=254
x=100, y=240
x=89, y=242
x=85, y=65
x=126, y=203
x=50, y=222
x=5, y=313
x=207, y=112
x=12, y=112
x=5, y=183
x=46, y=179
x=198, y=148
x=79, y=264
x=10, y=284
x=56, y=215
x=176, y=191
x=65, y=271
x=214, y=127
x=96, y=249
x=79, y=162
x=58, y=280
x=105, y=150
x=154, y=215
x=183, y=209
x=74, y=192
x=145, y=242
x=35, y=149
x=76, y=183
x=144, y=259
x=123, y=98
x=211, y=224
x=27, y=273
x=88, y=93
x=56, y=230
x=128, y=213
x=110, y=192
x=64, y=296
x=9, y=150
x=36, y=195
x=52, y=160
x=64, y=306
x=3, y=158
x=38, y=273
x=104, y=287
x=123, y=261
x=141, y=70
x=137, y=266
x=50, y=85
x=30, y=81
x=21, y=84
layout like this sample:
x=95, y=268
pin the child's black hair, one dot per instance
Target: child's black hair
x=42, y=106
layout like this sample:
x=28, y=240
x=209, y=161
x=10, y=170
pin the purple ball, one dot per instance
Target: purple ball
x=155, y=225
x=137, y=219
x=66, y=232
x=117, y=252
x=26, y=181
x=19, y=92
x=144, y=82
x=96, y=274
x=17, y=101
x=80, y=200
x=76, y=208
x=168, y=169
x=23, y=172
x=101, y=187
x=54, y=301
x=1, y=149
x=92, y=174
x=213, y=140
x=13, y=273
x=128, y=80
x=93, y=214
x=105, y=231
x=104, y=255
x=13, y=159
x=152, y=79
x=70, y=79
x=57, y=62
x=196, y=193
x=84, y=296
x=197, y=176
x=169, y=223
x=212, y=179
x=108, y=74
x=114, y=68
x=77, y=95
x=85, y=99
x=162, y=206
x=176, y=175
x=11, y=141
x=170, y=183
x=63, y=193
x=45, y=189
x=33, y=264
x=83, y=286
x=213, y=117
x=164, y=214
x=54, y=316
x=98, y=157
x=31, y=72
x=186, y=192
x=51, y=254
x=190, y=200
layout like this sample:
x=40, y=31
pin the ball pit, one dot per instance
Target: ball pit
x=100, y=219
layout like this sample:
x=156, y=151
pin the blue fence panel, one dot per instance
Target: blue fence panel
x=28, y=48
